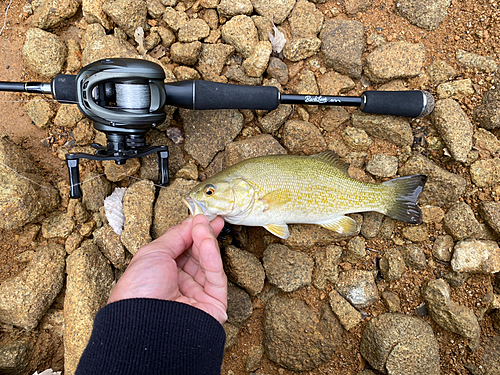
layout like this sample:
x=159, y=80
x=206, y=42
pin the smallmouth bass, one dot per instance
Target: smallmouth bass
x=276, y=190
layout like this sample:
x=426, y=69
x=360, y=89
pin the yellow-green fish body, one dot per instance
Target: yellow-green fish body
x=273, y=191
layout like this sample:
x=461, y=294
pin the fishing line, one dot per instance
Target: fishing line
x=5, y=18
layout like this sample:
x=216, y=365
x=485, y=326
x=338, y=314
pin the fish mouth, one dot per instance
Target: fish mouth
x=197, y=208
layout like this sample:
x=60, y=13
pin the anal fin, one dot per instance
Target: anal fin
x=342, y=224
x=279, y=230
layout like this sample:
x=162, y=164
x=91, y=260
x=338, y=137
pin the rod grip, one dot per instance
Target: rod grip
x=398, y=103
x=214, y=95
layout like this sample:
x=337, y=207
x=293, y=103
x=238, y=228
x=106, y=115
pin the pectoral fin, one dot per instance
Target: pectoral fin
x=275, y=199
x=343, y=225
x=280, y=230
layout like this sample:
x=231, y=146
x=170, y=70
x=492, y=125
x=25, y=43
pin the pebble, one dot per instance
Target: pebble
x=356, y=139
x=36, y=287
x=212, y=59
x=93, y=13
x=347, y=315
x=355, y=250
x=333, y=83
x=333, y=118
x=169, y=209
x=88, y=284
x=485, y=140
x=394, y=61
x=116, y=172
x=305, y=20
x=193, y=30
x=15, y=356
x=432, y=214
x=460, y=222
x=400, y=344
x=414, y=256
x=372, y=222
x=254, y=358
x=442, y=248
x=107, y=46
x=256, y=63
x=415, y=233
x=456, y=89
x=486, y=113
x=298, y=338
x=476, y=256
x=353, y=7
x=39, y=112
x=287, y=269
x=138, y=210
x=127, y=14
x=274, y=120
x=392, y=265
x=490, y=212
x=301, y=48
x=277, y=69
x=442, y=187
x=308, y=86
x=391, y=301
x=49, y=13
x=454, y=127
x=387, y=228
x=244, y=269
x=485, y=172
x=237, y=74
x=44, y=53
x=259, y=145
x=326, y=266
x=239, y=305
x=448, y=314
x=439, y=71
x=426, y=15
x=110, y=245
x=208, y=132
x=241, y=33
x=395, y=130
x=302, y=137
x=155, y=8
x=231, y=8
x=382, y=165
x=277, y=11
x=57, y=224
x=67, y=116
x=343, y=44
x=95, y=189
x=185, y=53
x=358, y=287
x=474, y=61
x=184, y=73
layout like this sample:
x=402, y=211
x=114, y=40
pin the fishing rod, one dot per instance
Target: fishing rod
x=125, y=98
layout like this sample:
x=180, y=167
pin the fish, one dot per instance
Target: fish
x=276, y=190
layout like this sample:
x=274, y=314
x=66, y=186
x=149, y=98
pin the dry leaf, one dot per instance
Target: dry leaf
x=139, y=38
x=277, y=40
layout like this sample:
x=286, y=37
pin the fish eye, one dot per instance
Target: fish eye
x=209, y=190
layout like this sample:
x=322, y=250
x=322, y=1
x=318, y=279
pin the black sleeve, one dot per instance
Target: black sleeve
x=150, y=336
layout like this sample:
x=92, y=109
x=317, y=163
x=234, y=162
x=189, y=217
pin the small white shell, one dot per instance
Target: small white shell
x=113, y=206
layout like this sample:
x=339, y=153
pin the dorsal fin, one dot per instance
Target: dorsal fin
x=334, y=160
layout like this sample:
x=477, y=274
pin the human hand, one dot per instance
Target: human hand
x=182, y=265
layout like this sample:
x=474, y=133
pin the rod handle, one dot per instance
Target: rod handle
x=398, y=103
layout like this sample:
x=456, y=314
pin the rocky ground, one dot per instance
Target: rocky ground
x=395, y=298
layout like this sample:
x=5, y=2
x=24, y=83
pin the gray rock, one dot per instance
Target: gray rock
x=399, y=344
x=127, y=14
x=426, y=15
x=487, y=114
x=15, y=357
x=371, y=224
x=23, y=191
x=343, y=44
x=439, y=71
x=355, y=250
x=387, y=228
x=485, y=172
x=485, y=140
x=460, y=222
x=278, y=69
x=50, y=13
x=416, y=233
x=491, y=355
x=95, y=189
x=333, y=83
x=305, y=20
x=395, y=130
x=326, y=266
x=443, y=248
x=239, y=305
x=456, y=89
x=212, y=59
x=455, y=278
x=296, y=337
x=333, y=118
x=448, y=314
x=88, y=284
x=208, y=132
x=25, y=297
x=185, y=53
x=301, y=48
x=490, y=212
x=454, y=127
x=476, y=256
x=394, y=61
x=392, y=265
x=442, y=187
x=244, y=269
x=44, y=53
x=175, y=18
x=353, y=7
x=382, y=165
x=277, y=11
x=231, y=331
x=358, y=287
x=432, y=214
x=193, y=30
x=414, y=256
x=241, y=33
x=347, y=315
x=260, y=145
x=169, y=209
x=302, y=137
x=474, y=61
x=57, y=224
x=256, y=63
x=356, y=139
x=231, y=8
x=287, y=269
x=237, y=74
x=272, y=121
x=391, y=301
x=39, y=112
x=138, y=210
x=110, y=245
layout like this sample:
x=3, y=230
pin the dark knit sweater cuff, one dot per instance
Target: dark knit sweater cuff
x=150, y=336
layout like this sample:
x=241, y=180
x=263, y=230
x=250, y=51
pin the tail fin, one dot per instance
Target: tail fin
x=405, y=193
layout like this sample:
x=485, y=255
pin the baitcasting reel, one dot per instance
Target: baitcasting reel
x=125, y=98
